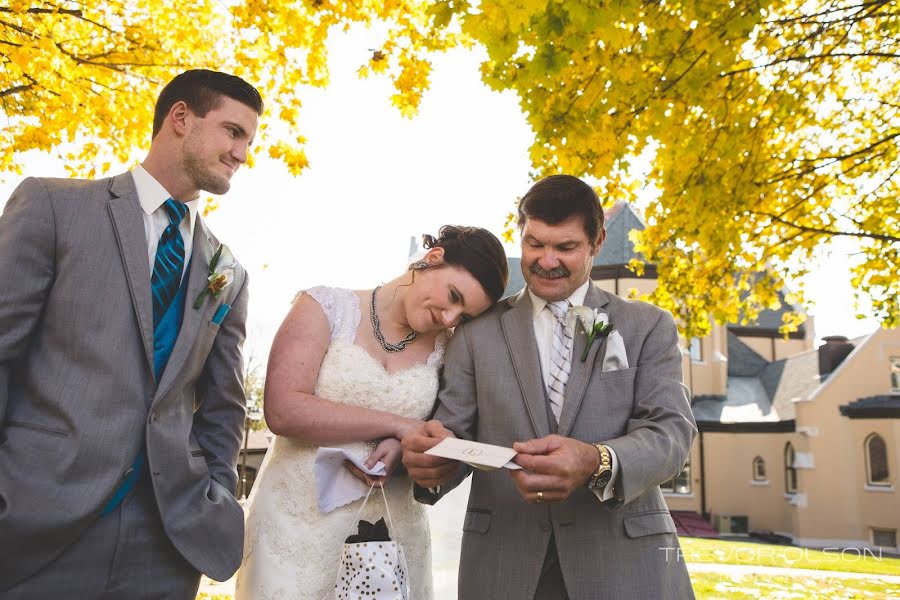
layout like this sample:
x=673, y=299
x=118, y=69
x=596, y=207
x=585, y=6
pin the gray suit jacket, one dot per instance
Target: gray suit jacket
x=492, y=391
x=77, y=392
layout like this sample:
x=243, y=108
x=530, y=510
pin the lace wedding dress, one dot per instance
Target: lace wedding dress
x=291, y=550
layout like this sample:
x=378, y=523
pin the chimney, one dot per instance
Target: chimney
x=832, y=353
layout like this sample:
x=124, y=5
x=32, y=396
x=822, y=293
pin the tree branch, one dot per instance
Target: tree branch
x=830, y=160
x=856, y=8
x=18, y=28
x=830, y=232
x=45, y=11
x=15, y=90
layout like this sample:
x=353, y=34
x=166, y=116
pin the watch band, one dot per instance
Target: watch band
x=600, y=478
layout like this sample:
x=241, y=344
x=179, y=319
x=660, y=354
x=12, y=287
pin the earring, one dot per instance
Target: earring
x=418, y=266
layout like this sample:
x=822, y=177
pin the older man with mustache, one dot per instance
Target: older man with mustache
x=600, y=405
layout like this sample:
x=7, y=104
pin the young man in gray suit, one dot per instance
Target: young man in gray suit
x=121, y=400
x=605, y=421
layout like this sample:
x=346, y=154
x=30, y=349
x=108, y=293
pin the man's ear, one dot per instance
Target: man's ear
x=595, y=250
x=178, y=116
x=434, y=257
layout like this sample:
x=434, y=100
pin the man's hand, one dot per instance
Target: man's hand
x=554, y=466
x=387, y=451
x=426, y=470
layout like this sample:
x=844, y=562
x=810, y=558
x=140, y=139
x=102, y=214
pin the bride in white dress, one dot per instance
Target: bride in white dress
x=336, y=379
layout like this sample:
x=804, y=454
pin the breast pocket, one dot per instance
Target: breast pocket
x=619, y=374
x=609, y=402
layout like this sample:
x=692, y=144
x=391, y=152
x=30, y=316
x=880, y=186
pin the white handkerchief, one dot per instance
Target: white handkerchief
x=615, y=357
x=335, y=485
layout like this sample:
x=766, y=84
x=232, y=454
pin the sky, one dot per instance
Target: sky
x=377, y=178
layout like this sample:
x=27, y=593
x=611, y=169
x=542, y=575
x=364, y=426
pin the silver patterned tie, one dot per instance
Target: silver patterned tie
x=560, y=357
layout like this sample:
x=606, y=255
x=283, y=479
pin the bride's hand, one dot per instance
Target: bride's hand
x=388, y=451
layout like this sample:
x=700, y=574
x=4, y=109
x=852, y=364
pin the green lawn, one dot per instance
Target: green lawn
x=710, y=586
x=702, y=550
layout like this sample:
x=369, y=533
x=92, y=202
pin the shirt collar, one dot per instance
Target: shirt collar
x=576, y=299
x=152, y=195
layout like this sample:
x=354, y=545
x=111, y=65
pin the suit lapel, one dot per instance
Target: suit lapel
x=518, y=328
x=128, y=222
x=201, y=254
x=581, y=371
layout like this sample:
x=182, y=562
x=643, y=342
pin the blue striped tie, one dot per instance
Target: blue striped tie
x=169, y=262
x=164, y=283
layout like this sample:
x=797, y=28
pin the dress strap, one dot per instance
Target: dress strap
x=341, y=308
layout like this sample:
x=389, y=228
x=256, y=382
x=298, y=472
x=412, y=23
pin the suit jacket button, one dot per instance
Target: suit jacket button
x=546, y=526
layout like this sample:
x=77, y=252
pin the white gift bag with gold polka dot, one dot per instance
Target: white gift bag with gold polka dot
x=372, y=570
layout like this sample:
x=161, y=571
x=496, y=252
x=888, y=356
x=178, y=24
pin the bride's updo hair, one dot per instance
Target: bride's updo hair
x=476, y=250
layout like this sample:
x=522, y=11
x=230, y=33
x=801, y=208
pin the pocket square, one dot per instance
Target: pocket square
x=220, y=314
x=615, y=357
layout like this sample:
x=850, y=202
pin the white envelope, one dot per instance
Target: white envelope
x=486, y=457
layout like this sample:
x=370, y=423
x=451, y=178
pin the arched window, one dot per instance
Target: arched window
x=681, y=483
x=790, y=472
x=759, y=469
x=876, y=461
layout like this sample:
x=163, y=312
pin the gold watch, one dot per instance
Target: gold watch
x=600, y=478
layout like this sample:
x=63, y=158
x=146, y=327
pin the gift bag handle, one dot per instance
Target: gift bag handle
x=356, y=520
x=359, y=512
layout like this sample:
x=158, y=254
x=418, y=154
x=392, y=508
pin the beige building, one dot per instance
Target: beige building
x=793, y=441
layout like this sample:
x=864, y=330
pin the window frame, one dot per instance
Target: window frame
x=894, y=362
x=697, y=343
x=759, y=461
x=790, y=471
x=671, y=486
x=867, y=452
x=877, y=530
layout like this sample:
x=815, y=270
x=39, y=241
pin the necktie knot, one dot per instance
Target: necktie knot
x=560, y=310
x=169, y=263
x=175, y=210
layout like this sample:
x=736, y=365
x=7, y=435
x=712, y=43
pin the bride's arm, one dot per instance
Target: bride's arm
x=291, y=407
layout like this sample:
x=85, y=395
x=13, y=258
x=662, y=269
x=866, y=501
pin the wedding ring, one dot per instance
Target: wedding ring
x=540, y=498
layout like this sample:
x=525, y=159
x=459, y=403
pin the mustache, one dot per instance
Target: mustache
x=555, y=273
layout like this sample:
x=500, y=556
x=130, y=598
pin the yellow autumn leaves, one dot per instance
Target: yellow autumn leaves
x=76, y=73
x=771, y=128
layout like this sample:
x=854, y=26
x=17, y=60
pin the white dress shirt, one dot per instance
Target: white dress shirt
x=152, y=195
x=544, y=322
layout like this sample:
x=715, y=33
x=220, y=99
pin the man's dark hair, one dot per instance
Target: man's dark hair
x=202, y=91
x=559, y=197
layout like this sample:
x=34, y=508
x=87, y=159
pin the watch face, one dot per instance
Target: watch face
x=603, y=479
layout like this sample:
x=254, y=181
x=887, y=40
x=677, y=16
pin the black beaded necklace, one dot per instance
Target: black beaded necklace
x=376, y=326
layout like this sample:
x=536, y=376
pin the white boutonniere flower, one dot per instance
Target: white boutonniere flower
x=595, y=323
x=221, y=274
